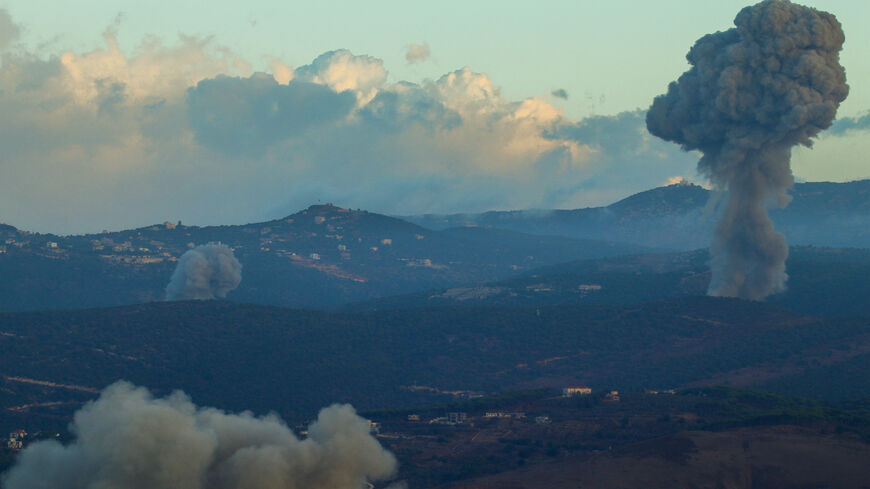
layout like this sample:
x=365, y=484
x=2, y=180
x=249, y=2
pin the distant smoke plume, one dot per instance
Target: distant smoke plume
x=127, y=439
x=205, y=272
x=9, y=30
x=752, y=93
x=842, y=126
x=417, y=53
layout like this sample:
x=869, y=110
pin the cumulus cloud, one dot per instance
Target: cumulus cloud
x=341, y=70
x=108, y=139
x=203, y=273
x=128, y=439
x=417, y=53
x=247, y=115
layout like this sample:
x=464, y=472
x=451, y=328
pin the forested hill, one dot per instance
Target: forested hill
x=240, y=356
x=322, y=256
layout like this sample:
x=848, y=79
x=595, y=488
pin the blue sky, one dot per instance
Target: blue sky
x=127, y=148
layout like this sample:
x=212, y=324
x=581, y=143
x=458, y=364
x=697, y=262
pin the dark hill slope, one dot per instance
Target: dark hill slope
x=774, y=458
x=822, y=281
x=320, y=257
x=251, y=357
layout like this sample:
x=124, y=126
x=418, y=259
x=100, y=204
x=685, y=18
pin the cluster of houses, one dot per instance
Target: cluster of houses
x=582, y=390
x=458, y=417
x=16, y=440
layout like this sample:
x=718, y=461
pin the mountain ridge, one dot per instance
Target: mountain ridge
x=682, y=216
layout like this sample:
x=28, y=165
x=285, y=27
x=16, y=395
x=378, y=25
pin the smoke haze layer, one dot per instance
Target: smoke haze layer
x=203, y=273
x=127, y=439
x=754, y=92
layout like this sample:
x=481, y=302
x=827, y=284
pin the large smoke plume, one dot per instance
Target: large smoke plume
x=129, y=440
x=204, y=272
x=752, y=93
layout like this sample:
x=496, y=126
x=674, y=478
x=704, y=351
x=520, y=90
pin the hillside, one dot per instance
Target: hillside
x=251, y=357
x=320, y=257
x=681, y=217
x=775, y=458
x=691, y=438
x=822, y=281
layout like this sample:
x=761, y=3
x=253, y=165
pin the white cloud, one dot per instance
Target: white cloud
x=341, y=70
x=417, y=53
x=108, y=139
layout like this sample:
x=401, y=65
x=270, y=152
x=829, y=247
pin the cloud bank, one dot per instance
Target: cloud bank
x=108, y=139
x=128, y=439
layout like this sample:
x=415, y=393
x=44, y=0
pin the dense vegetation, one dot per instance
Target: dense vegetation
x=292, y=361
x=832, y=282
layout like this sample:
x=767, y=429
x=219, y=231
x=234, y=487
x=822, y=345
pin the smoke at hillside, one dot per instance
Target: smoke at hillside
x=753, y=93
x=205, y=272
x=129, y=440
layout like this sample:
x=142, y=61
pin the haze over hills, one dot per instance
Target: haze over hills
x=682, y=217
x=326, y=256
x=322, y=256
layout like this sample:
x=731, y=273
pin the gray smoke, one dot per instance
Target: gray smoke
x=560, y=93
x=752, y=93
x=127, y=439
x=203, y=273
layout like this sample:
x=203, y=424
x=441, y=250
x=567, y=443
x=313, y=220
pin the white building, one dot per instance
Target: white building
x=576, y=390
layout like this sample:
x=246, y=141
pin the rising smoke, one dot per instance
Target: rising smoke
x=205, y=272
x=752, y=93
x=127, y=439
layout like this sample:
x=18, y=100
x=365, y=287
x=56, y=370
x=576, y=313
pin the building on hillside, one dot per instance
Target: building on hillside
x=576, y=390
x=457, y=417
x=16, y=440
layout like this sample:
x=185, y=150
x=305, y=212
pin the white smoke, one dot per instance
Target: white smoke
x=205, y=272
x=127, y=439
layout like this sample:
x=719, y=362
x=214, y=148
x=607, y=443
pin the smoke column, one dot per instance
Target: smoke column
x=752, y=93
x=127, y=439
x=205, y=272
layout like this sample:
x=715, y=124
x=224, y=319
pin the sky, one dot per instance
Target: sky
x=120, y=114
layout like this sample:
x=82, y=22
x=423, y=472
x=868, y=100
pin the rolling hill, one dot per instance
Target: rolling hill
x=320, y=257
x=240, y=356
x=681, y=217
x=831, y=282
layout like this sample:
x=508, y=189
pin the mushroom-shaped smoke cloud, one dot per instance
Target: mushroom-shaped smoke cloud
x=752, y=93
x=128, y=440
x=205, y=272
